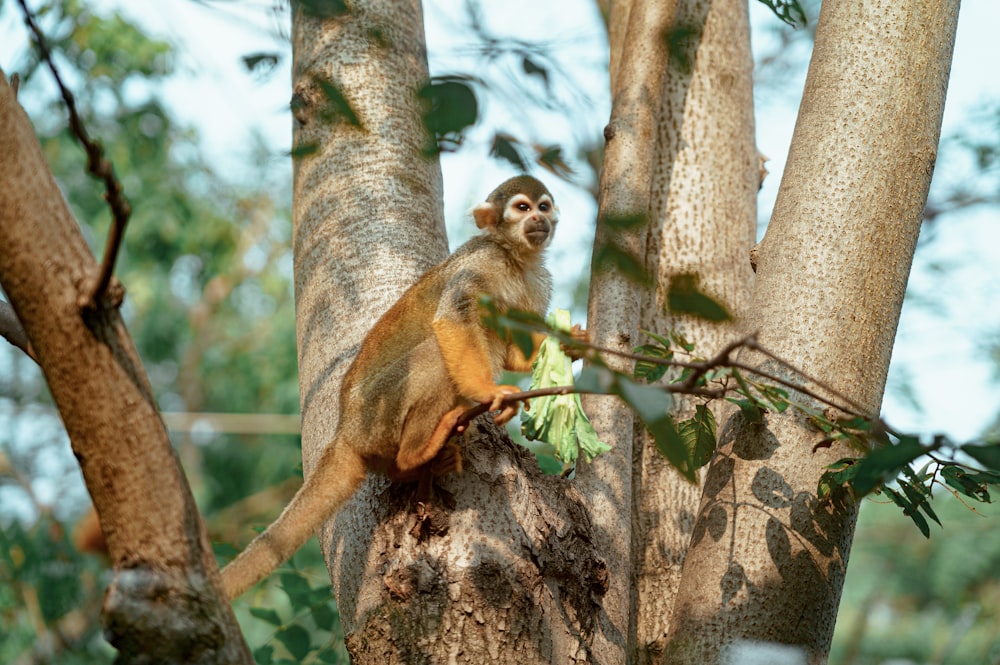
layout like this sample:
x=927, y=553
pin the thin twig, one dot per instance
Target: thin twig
x=97, y=166
x=478, y=410
x=753, y=344
x=722, y=359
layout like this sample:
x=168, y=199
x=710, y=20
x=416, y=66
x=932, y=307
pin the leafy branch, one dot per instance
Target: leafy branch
x=885, y=459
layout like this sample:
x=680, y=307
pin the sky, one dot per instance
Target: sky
x=940, y=350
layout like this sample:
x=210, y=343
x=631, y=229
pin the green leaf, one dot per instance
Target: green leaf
x=776, y=396
x=789, y=11
x=668, y=441
x=531, y=68
x=261, y=63
x=751, y=411
x=296, y=587
x=985, y=478
x=337, y=107
x=304, y=149
x=524, y=341
x=681, y=341
x=296, y=639
x=956, y=478
x=919, y=497
x=856, y=423
x=647, y=371
x=611, y=256
x=451, y=109
x=551, y=159
x=909, y=510
x=559, y=419
x=698, y=434
x=988, y=455
x=884, y=464
x=322, y=9
x=328, y=655
x=324, y=616
x=682, y=42
x=505, y=147
x=264, y=655
x=684, y=297
x=840, y=472
x=659, y=339
x=597, y=379
x=650, y=403
x=268, y=615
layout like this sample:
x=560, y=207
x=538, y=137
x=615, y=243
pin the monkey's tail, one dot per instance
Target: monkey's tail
x=336, y=477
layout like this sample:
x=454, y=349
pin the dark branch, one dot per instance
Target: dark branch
x=97, y=166
x=723, y=359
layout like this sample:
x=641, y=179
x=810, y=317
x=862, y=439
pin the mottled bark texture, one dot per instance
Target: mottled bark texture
x=704, y=217
x=638, y=61
x=165, y=602
x=768, y=558
x=504, y=569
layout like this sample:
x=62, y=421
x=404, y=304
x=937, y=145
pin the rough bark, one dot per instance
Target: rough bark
x=165, y=602
x=640, y=52
x=511, y=573
x=705, y=184
x=767, y=559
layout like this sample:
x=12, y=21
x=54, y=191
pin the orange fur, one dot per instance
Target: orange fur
x=424, y=362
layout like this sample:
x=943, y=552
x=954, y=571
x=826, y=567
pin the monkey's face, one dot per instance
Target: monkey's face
x=529, y=220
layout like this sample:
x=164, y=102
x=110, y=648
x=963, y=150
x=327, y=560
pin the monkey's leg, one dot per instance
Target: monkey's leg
x=413, y=454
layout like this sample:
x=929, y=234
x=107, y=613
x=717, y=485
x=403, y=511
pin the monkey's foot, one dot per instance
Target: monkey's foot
x=579, y=335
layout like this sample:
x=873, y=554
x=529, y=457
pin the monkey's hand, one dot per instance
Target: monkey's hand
x=579, y=335
x=495, y=400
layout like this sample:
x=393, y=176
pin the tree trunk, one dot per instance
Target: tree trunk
x=613, y=311
x=767, y=559
x=704, y=185
x=165, y=603
x=512, y=574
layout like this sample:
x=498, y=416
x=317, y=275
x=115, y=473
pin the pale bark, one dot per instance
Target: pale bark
x=613, y=310
x=512, y=576
x=616, y=13
x=704, y=213
x=767, y=559
x=165, y=602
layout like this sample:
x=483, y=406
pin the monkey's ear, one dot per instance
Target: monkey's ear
x=485, y=215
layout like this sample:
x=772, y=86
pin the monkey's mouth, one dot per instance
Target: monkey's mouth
x=536, y=232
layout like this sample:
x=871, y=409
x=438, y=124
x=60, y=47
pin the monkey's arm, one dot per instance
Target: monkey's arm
x=466, y=356
x=516, y=360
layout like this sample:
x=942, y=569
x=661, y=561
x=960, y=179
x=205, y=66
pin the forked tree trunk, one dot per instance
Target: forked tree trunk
x=165, y=603
x=515, y=577
x=704, y=218
x=767, y=559
x=637, y=76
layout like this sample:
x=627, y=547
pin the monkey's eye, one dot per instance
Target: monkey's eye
x=523, y=207
x=544, y=207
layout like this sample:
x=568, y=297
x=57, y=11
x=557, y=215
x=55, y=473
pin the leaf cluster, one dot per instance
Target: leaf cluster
x=293, y=639
x=886, y=457
x=965, y=470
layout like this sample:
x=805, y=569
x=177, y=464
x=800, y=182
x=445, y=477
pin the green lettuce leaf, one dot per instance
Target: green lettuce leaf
x=559, y=419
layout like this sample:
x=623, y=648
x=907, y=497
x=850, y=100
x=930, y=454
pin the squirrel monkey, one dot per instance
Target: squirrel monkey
x=426, y=361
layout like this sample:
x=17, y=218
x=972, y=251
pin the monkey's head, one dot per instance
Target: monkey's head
x=521, y=212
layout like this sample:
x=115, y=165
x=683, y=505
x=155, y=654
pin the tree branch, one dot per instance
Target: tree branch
x=97, y=166
x=13, y=331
